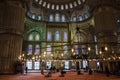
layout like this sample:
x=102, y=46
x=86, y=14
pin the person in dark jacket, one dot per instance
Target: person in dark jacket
x=90, y=71
x=26, y=69
x=107, y=71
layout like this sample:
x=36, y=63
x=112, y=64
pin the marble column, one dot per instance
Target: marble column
x=11, y=34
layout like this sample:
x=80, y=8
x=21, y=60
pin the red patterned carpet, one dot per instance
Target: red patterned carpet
x=56, y=76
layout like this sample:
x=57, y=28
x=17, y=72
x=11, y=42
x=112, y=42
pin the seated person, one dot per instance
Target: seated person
x=90, y=72
x=49, y=74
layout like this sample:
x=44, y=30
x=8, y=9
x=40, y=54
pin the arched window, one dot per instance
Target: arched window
x=84, y=50
x=65, y=36
x=66, y=65
x=51, y=18
x=39, y=17
x=36, y=0
x=37, y=49
x=86, y=15
x=85, y=63
x=37, y=37
x=40, y=2
x=80, y=18
x=57, y=36
x=75, y=4
x=34, y=36
x=63, y=18
x=76, y=49
x=53, y=6
x=44, y=4
x=74, y=18
x=62, y=7
x=30, y=38
x=66, y=6
x=29, y=64
x=48, y=5
x=79, y=2
x=49, y=36
x=37, y=65
x=33, y=16
x=71, y=6
x=30, y=49
x=83, y=0
x=57, y=7
x=57, y=17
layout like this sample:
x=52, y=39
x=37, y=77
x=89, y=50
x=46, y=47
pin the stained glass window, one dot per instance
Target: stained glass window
x=51, y=18
x=74, y=18
x=37, y=49
x=33, y=16
x=37, y=37
x=30, y=38
x=63, y=18
x=34, y=36
x=76, y=49
x=65, y=36
x=49, y=36
x=30, y=49
x=80, y=18
x=83, y=50
x=57, y=36
x=39, y=17
x=57, y=17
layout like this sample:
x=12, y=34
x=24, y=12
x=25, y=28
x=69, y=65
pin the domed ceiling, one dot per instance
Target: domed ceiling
x=74, y=9
x=59, y=4
x=59, y=1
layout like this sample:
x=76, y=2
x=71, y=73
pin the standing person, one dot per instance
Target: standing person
x=54, y=69
x=26, y=69
x=86, y=68
x=51, y=68
x=107, y=71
